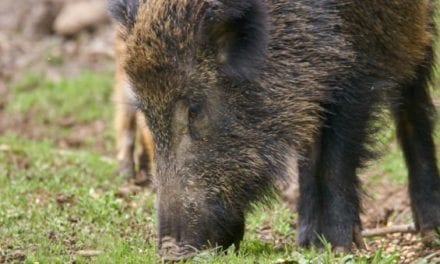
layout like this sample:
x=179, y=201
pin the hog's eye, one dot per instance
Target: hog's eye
x=197, y=121
x=194, y=111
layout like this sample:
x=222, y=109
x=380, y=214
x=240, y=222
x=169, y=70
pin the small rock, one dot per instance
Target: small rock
x=41, y=18
x=4, y=148
x=77, y=16
x=284, y=261
x=62, y=199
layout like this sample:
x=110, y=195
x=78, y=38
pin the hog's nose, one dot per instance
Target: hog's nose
x=170, y=250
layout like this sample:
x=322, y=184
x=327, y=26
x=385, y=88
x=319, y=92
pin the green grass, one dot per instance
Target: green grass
x=84, y=97
x=56, y=202
x=72, y=109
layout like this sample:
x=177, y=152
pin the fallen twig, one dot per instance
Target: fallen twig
x=389, y=230
x=88, y=253
x=433, y=255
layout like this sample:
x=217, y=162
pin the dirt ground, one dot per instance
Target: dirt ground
x=28, y=43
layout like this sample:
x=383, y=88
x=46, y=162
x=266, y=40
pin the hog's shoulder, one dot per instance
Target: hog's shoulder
x=393, y=35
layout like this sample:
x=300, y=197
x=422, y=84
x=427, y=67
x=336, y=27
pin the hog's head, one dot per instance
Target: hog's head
x=195, y=66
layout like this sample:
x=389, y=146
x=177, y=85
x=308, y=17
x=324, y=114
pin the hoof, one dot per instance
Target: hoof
x=431, y=237
x=340, y=244
x=126, y=170
x=143, y=179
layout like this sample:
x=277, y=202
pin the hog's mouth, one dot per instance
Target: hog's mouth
x=171, y=251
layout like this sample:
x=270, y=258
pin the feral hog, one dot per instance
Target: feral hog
x=235, y=90
x=129, y=125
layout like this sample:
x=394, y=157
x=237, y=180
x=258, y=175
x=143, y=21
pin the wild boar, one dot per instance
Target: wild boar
x=232, y=91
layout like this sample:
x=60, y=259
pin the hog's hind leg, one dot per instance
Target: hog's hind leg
x=145, y=159
x=414, y=121
x=125, y=117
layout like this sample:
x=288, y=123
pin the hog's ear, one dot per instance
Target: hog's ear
x=238, y=29
x=124, y=11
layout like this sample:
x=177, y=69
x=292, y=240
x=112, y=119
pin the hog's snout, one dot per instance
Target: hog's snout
x=170, y=250
x=182, y=234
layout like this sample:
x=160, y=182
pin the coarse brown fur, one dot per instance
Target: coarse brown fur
x=232, y=90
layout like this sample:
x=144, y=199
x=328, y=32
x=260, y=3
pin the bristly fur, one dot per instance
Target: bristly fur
x=124, y=11
x=271, y=76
